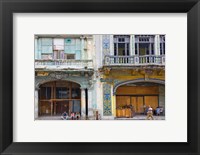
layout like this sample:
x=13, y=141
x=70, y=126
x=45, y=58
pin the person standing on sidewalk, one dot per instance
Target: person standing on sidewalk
x=150, y=113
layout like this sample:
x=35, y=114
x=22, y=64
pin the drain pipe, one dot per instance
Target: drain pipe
x=86, y=103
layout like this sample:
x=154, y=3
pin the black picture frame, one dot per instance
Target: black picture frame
x=8, y=7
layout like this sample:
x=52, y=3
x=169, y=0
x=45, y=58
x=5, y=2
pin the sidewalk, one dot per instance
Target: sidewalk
x=137, y=117
x=142, y=117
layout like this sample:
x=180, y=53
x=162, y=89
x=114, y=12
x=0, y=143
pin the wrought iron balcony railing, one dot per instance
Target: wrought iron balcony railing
x=134, y=60
x=63, y=63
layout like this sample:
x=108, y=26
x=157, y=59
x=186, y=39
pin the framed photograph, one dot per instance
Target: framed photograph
x=99, y=77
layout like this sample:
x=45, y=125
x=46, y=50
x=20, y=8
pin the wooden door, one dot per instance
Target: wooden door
x=140, y=104
x=58, y=108
x=122, y=101
x=137, y=102
x=152, y=101
x=134, y=103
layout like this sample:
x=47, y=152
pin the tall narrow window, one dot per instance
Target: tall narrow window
x=46, y=48
x=162, y=44
x=136, y=49
x=145, y=43
x=121, y=45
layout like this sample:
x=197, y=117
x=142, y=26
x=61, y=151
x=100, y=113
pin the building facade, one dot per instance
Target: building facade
x=104, y=73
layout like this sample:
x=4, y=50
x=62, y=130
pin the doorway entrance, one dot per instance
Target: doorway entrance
x=137, y=98
x=138, y=103
x=59, y=96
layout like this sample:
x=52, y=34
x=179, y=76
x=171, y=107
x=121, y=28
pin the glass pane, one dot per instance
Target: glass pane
x=47, y=41
x=62, y=93
x=76, y=92
x=76, y=106
x=47, y=49
x=48, y=92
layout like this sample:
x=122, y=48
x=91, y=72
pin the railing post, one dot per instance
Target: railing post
x=136, y=60
x=163, y=59
x=107, y=60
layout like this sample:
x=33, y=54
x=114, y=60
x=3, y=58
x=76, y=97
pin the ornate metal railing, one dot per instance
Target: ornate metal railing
x=135, y=60
x=52, y=63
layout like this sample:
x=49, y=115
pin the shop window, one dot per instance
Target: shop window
x=45, y=92
x=62, y=93
x=76, y=93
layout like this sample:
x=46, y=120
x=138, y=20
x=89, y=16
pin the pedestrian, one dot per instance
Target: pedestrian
x=72, y=115
x=158, y=109
x=150, y=113
x=64, y=115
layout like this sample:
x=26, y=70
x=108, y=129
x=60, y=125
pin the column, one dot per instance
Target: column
x=107, y=103
x=132, y=45
x=113, y=102
x=36, y=104
x=82, y=48
x=83, y=111
x=157, y=45
x=111, y=45
x=91, y=100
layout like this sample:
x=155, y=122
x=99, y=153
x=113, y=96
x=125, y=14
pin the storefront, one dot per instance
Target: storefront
x=136, y=98
x=57, y=97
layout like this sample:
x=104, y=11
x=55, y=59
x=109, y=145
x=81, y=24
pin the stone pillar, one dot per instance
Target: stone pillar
x=157, y=45
x=107, y=101
x=83, y=111
x=114, y=105
x=111, y=45
x=36, y=104
x=132, y=45
x=91, y=102
x=113, y=102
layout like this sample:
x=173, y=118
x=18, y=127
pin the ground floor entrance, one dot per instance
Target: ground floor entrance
x=132, y=100
x=58, y=97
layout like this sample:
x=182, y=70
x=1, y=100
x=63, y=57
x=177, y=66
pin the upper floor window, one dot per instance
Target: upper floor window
x=58, y=48
x=162, y=44
x=121, y=45
x=46, y=45
x=144, y=44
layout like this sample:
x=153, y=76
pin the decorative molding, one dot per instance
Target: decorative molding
x=107, y=106
x=106, y=44
x=85, y=82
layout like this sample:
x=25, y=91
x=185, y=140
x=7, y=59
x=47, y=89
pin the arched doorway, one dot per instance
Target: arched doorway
x=56, y=97
x=134, y=98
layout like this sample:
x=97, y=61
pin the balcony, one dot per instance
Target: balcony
x=63, y=64
x=134, y=60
